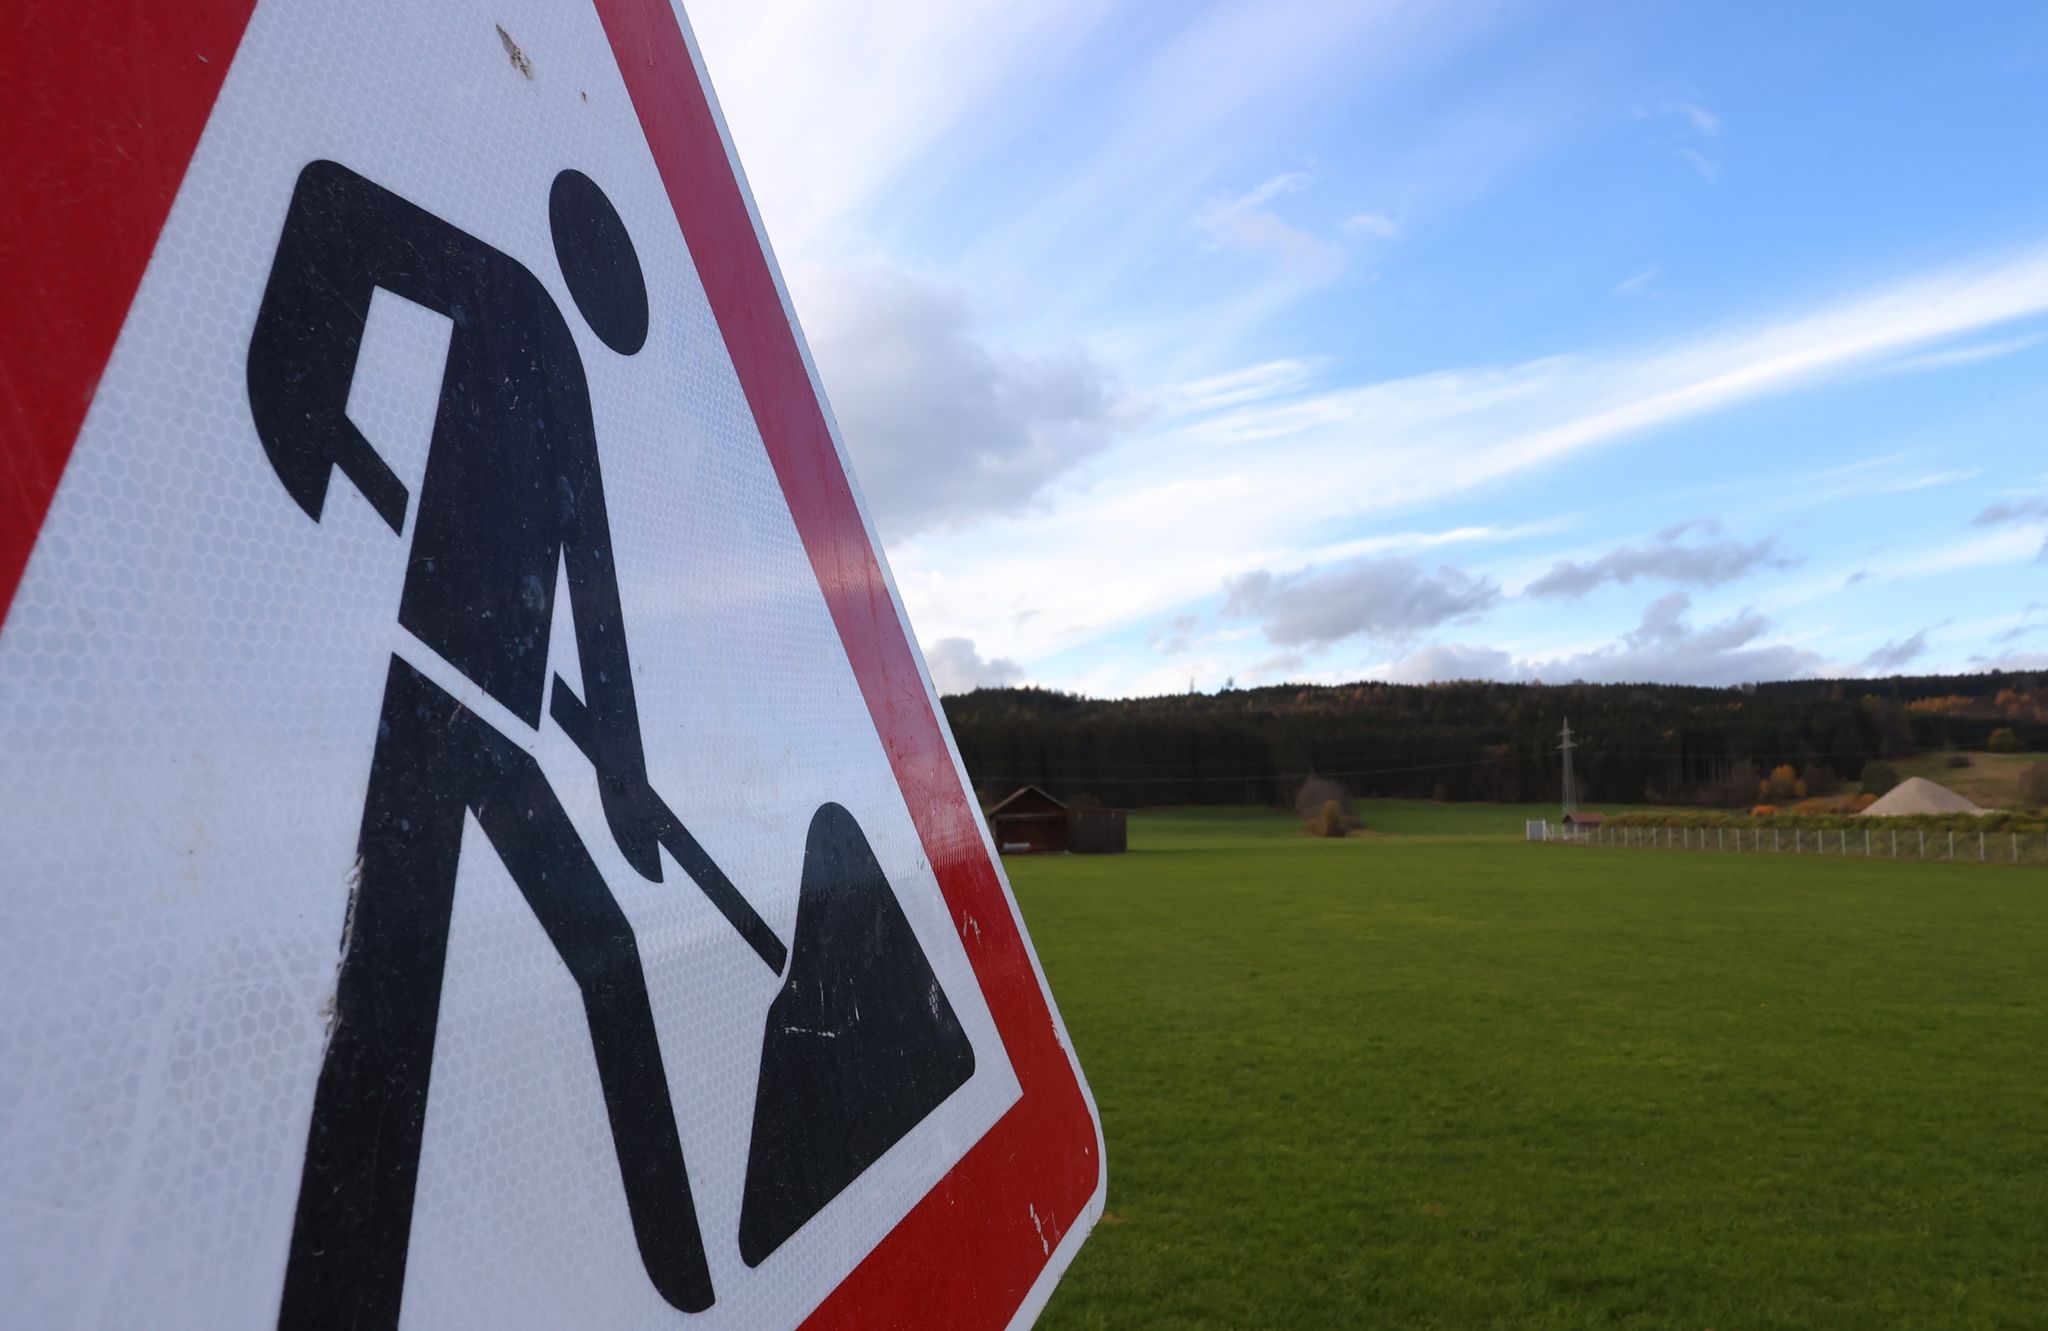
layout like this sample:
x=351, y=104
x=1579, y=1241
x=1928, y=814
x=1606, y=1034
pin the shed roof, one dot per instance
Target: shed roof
x=1020, y=793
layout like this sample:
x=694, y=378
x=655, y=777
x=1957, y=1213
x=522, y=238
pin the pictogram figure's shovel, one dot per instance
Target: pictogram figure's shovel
x=861, y=1043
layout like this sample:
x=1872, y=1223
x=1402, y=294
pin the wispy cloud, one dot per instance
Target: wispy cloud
x=1666, y=557
x=2033, y=508
x=829, y=105
x=1251, y=224
x=1895, y=654
x=1973, y=353
x=1703, y=121
x=1639, y=285
x=1236, y=388
x=1665, y=645
x=1353, y=452
x=1691, y=127
x=1373, y=224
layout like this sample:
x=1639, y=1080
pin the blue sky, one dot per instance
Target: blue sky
x=1195, y=342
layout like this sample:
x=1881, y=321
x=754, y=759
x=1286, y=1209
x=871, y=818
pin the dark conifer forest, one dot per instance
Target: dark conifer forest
x=1478, y=741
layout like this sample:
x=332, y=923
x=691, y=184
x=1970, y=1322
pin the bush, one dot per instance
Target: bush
x=1318, y=791
x=1879, y=778
x=1331, y=820
x=2004, y=740
x=2034, y=785
x=1764, y=811
x=1956, y=760
x=1820, y=779
x=1782, y=786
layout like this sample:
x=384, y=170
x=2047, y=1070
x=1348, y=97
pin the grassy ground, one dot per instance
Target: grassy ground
x=1991, y=779
x=1439, y=1078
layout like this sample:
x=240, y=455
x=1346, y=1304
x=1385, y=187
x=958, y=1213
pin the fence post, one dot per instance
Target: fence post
x=1797, y=833
x=1866, y=843
x=1774, y=839
x=1923, y=843
x=1980, y=848
x=1951, y=847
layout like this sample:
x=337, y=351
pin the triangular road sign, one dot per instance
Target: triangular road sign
x=483, y=848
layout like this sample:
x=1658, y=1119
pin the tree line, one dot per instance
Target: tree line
x=1662, y=743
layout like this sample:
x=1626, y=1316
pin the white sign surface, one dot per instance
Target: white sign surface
x=454, y=661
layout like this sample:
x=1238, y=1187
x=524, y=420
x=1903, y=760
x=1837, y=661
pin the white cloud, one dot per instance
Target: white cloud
x=1664, y=647
x=829, y=103
x=1664, y=558
x=1972, y=353
x=1894, y=654
x=1691, y=126
x=958, y=668
x=1439, y=662
x=1203, y=498
x=1704, y=122
x=1235, y=388
x=1248, y=223
x=943, y=427
x=2032, y=508
x=1381, y=598
x=2015, y=661
x=1373, y=224
x=1639, y=285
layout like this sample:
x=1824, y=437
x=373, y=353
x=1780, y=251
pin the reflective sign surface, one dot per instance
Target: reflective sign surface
x=483, y=851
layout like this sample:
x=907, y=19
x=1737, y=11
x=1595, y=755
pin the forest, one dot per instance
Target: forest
x=1656, y=743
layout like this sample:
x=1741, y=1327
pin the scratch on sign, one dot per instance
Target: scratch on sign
x=518, y=57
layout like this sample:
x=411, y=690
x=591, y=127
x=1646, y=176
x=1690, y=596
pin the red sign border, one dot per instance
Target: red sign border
x=98, y=155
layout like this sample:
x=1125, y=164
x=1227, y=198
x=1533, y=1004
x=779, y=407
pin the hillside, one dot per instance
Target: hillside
x=1490, y=741
x=1991, y=779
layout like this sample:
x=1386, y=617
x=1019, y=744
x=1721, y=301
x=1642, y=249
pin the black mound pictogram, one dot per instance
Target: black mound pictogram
x=861, y=1043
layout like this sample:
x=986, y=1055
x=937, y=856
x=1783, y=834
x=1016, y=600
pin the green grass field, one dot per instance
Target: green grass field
x=1435, y=1077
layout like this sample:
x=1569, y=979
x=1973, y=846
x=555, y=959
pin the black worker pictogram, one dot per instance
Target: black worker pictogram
x=859, y=1045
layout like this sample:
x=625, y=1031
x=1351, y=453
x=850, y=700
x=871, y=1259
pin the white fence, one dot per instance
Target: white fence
x=1876, y=842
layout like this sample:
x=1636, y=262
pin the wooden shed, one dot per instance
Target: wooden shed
x=1030, y=822
x=1586, y=819
x=1097, y=832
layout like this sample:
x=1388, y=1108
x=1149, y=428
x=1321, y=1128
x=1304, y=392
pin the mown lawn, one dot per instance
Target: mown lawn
x=1436, y=1077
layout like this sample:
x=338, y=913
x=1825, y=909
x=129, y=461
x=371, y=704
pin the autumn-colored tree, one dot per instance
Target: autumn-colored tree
x=1782, y=786
x=2004, y=740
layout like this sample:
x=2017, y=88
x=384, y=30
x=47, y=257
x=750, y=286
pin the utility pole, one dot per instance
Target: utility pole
x=1571, y=793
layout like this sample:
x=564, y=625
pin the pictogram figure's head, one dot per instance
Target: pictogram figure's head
x=598, y=262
